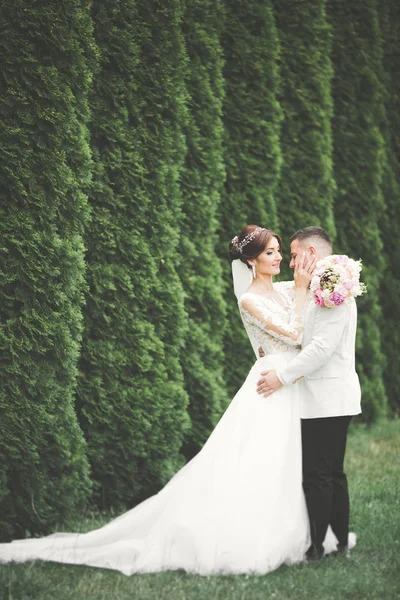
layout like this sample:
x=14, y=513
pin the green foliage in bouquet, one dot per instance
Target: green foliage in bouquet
x=389, y=18
x=306, y=187
x=47, y=55
x=202, y=181
x=359, y=159
x=252, y=117
x=131, y=398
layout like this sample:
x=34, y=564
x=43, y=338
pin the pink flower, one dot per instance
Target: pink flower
x=336, y=298
x=341, y=259
x=347, y=283
x=318, y=297
x=342, y=290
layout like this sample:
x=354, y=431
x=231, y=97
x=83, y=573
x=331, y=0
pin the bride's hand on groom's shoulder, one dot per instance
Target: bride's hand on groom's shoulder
x=268, y=383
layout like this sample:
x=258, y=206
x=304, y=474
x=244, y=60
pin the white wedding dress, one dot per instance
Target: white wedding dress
x=236, y=507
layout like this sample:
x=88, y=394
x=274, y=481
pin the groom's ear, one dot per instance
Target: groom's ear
x=312, y=250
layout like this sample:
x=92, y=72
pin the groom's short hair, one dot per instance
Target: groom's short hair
x=312, y=232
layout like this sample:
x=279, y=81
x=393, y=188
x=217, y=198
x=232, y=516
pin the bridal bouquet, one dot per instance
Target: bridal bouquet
x=337, y=281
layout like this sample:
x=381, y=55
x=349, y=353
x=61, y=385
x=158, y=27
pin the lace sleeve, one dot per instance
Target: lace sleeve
x=269, y=320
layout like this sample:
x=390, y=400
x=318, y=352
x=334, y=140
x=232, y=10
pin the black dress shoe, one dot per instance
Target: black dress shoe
x=314, y=553
x=341, y=550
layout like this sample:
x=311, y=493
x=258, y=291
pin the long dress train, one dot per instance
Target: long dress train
x=236, y=507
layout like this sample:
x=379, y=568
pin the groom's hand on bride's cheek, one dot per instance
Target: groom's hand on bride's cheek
x=268, y=383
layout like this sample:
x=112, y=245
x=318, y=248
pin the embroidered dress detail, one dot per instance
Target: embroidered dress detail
x=273, y=313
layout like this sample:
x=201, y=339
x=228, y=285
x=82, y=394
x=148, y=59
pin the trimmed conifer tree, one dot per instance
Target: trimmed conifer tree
x=306, y=187
x=47, y=54
x=252, y=117
x=389, y=18
x=131, y=397
x=359, y=158
x=202, y=182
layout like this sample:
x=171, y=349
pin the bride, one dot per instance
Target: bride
x=238, y=506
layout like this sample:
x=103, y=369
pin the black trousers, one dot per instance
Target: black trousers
x=324, y=481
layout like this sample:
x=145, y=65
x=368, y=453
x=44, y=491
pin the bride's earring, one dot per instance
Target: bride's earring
x=254, y=271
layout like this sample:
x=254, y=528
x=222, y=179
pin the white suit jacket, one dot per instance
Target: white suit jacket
x=330, y=387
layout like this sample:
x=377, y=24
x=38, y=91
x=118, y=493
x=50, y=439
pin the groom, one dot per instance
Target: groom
x=330, y=395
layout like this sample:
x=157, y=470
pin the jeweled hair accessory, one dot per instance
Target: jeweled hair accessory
x=246, y=240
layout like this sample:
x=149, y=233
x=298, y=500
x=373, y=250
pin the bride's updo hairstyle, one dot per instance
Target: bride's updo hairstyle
x=250, y=242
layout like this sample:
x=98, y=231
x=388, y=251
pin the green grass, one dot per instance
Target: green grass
x=372, y=571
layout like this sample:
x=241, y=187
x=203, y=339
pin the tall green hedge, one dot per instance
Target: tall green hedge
x=389, y=18
x=161, y=116
x=131, y=397
x=45, y=160
x=187, y=96
x=252, y=117
x=203, y=178
x=359, y=159
x=306, y=187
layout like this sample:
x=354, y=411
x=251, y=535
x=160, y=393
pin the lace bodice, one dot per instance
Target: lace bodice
x=271, y=324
